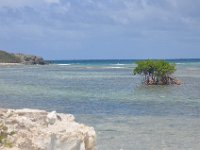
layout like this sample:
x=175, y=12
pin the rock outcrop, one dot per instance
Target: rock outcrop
x=30, y=59
x=40, y=130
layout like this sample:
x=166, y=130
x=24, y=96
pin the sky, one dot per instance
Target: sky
x=101, y=29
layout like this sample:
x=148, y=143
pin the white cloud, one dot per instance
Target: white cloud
x=53, y=1
x=152, y=13
x=76, y=14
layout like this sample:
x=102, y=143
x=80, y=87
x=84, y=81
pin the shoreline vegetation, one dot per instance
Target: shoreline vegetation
x=17, y=59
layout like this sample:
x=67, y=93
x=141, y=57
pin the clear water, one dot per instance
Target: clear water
x=105, y=95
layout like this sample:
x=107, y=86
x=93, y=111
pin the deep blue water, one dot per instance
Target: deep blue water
x=116, y=61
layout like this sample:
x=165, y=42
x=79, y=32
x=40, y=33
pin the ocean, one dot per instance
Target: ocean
x=106, y=95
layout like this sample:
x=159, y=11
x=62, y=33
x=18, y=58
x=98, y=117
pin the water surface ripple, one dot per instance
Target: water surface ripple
x=125, y=114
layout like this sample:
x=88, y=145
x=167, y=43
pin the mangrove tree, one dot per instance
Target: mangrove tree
x=156, y=72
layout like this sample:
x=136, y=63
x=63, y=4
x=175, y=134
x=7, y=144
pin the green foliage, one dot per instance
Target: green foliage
x=8, y=58
x=144, y=67
x=155, y=71
x=4, y=136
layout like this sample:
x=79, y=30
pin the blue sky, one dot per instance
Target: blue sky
x=96, y=29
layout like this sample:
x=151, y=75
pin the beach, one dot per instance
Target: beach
x=9, y=64
x=124, y=113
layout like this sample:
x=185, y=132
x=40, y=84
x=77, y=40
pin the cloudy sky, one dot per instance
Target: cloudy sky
x=96, y=29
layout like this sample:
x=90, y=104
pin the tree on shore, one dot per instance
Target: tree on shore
x=156, y=72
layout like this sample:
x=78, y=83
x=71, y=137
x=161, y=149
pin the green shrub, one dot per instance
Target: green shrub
x=4, y=141
x=8, y=58
x=155, y=71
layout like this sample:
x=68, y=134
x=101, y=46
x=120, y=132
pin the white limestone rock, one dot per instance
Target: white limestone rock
x=51, y=117
x=40, y=130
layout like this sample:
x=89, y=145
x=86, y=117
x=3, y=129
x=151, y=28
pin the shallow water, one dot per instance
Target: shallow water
x=125, y=114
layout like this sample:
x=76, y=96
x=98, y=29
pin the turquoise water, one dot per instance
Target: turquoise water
x=105, y=95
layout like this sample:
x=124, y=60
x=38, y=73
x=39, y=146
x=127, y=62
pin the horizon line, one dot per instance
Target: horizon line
x=82, y=59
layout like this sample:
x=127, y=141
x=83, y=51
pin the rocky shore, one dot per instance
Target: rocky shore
x=11, y=58
x=28, y=129
x=30, y=59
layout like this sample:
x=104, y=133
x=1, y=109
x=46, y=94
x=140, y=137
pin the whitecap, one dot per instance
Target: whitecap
x=64, y=64
x=118, y=64
x=180, y=63
x=114, y=67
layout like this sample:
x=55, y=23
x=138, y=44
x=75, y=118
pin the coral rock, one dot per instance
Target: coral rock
x=40, y=130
